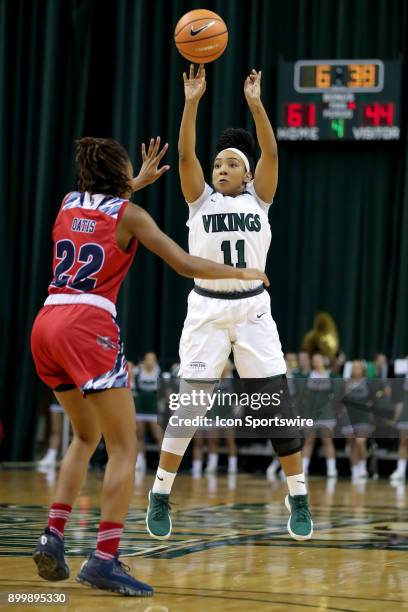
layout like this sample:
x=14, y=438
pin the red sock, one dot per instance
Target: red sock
x=58, y=516
x=109, y=535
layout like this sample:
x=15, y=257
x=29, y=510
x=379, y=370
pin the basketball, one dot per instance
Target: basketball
x=201, y=36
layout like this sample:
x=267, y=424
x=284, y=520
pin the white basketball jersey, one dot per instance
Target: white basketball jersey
x=230, y=230
x=148, y=381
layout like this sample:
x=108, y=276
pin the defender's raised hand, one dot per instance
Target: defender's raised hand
x=252, y=87
x=194, y=86
x=149, y=171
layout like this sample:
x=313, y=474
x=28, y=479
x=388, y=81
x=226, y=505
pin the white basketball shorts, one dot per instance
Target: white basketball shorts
x=214, y=326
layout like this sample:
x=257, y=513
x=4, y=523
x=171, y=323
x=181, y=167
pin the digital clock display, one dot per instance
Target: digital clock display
x=339, y=100
x=339, y=75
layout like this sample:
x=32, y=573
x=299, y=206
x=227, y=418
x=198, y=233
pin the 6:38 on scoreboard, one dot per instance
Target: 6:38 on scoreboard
x=339, y=100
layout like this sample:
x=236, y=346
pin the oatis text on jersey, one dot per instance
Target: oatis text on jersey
x=83, y=225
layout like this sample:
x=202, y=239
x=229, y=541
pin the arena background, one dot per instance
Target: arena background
x=70, y=68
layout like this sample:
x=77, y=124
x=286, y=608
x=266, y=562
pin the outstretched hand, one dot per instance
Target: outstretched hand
x=252, y=86
x=149, y=171
x=194, y=86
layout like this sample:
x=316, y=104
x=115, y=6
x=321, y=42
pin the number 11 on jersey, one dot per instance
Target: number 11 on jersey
x=240, y=248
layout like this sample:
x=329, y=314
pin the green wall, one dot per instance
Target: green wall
x=340, y=218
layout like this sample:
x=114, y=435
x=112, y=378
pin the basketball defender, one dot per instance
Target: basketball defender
x=229, y=223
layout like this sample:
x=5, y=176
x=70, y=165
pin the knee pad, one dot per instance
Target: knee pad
x=286, y=439
x=277, y=388
x=287, y=446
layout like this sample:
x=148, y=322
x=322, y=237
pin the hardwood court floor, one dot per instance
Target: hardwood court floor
x=229, y=550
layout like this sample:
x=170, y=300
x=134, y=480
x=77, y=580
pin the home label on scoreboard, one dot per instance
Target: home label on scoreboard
x=339, y=100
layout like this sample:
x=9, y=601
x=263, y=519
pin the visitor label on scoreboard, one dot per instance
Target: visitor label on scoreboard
x=339, y=100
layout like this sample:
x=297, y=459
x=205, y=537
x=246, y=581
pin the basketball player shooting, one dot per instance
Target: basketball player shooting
x=225, y=221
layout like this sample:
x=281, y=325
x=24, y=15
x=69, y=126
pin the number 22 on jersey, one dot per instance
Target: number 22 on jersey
x=91, y=255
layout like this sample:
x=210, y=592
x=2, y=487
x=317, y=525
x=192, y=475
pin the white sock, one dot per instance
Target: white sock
x=141, y=461
x=402, y=465
x=212, y=462
x=331, y=464
x=297, y=484
x=163, y=481
x=273, y=467
x=232, y=463
x=276, y=464
x=51, y=455
x=197, y=466
x=355, y=471
x=305, y=462
x=362, y=466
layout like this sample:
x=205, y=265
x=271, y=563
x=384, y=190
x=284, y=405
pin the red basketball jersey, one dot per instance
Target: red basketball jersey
x=87, y=259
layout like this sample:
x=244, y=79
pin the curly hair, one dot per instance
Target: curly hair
x=239, y=139
x=102, y=166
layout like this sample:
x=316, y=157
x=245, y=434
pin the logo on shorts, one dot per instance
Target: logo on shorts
x=106, y=343
x=258, y=316
x=197, y=365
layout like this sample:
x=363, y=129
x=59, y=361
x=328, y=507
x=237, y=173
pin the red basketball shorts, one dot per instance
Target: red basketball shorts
x=78, y=345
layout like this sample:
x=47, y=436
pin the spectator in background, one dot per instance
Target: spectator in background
x=145, y=384
x=303, y=367
x=56, y=413
x=361, y=424
x=378, y=368
x=337, y=364
x=317, y=402
x=402, y=426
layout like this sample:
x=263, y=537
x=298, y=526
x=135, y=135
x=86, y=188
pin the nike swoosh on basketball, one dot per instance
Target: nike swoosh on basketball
x=194, y=32
x=261, y=315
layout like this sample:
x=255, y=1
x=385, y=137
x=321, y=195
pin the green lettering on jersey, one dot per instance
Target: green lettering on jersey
x=231, y=222
x=221, y=225
x=207, y=222
x=249, y=223
x=239, y=222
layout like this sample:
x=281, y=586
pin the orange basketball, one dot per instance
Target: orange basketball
x=201, y=36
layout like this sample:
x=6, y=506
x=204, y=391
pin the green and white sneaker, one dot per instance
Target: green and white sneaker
x=300, y=524
x=158, y=520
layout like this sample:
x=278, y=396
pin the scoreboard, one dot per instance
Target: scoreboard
x=339, y=100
